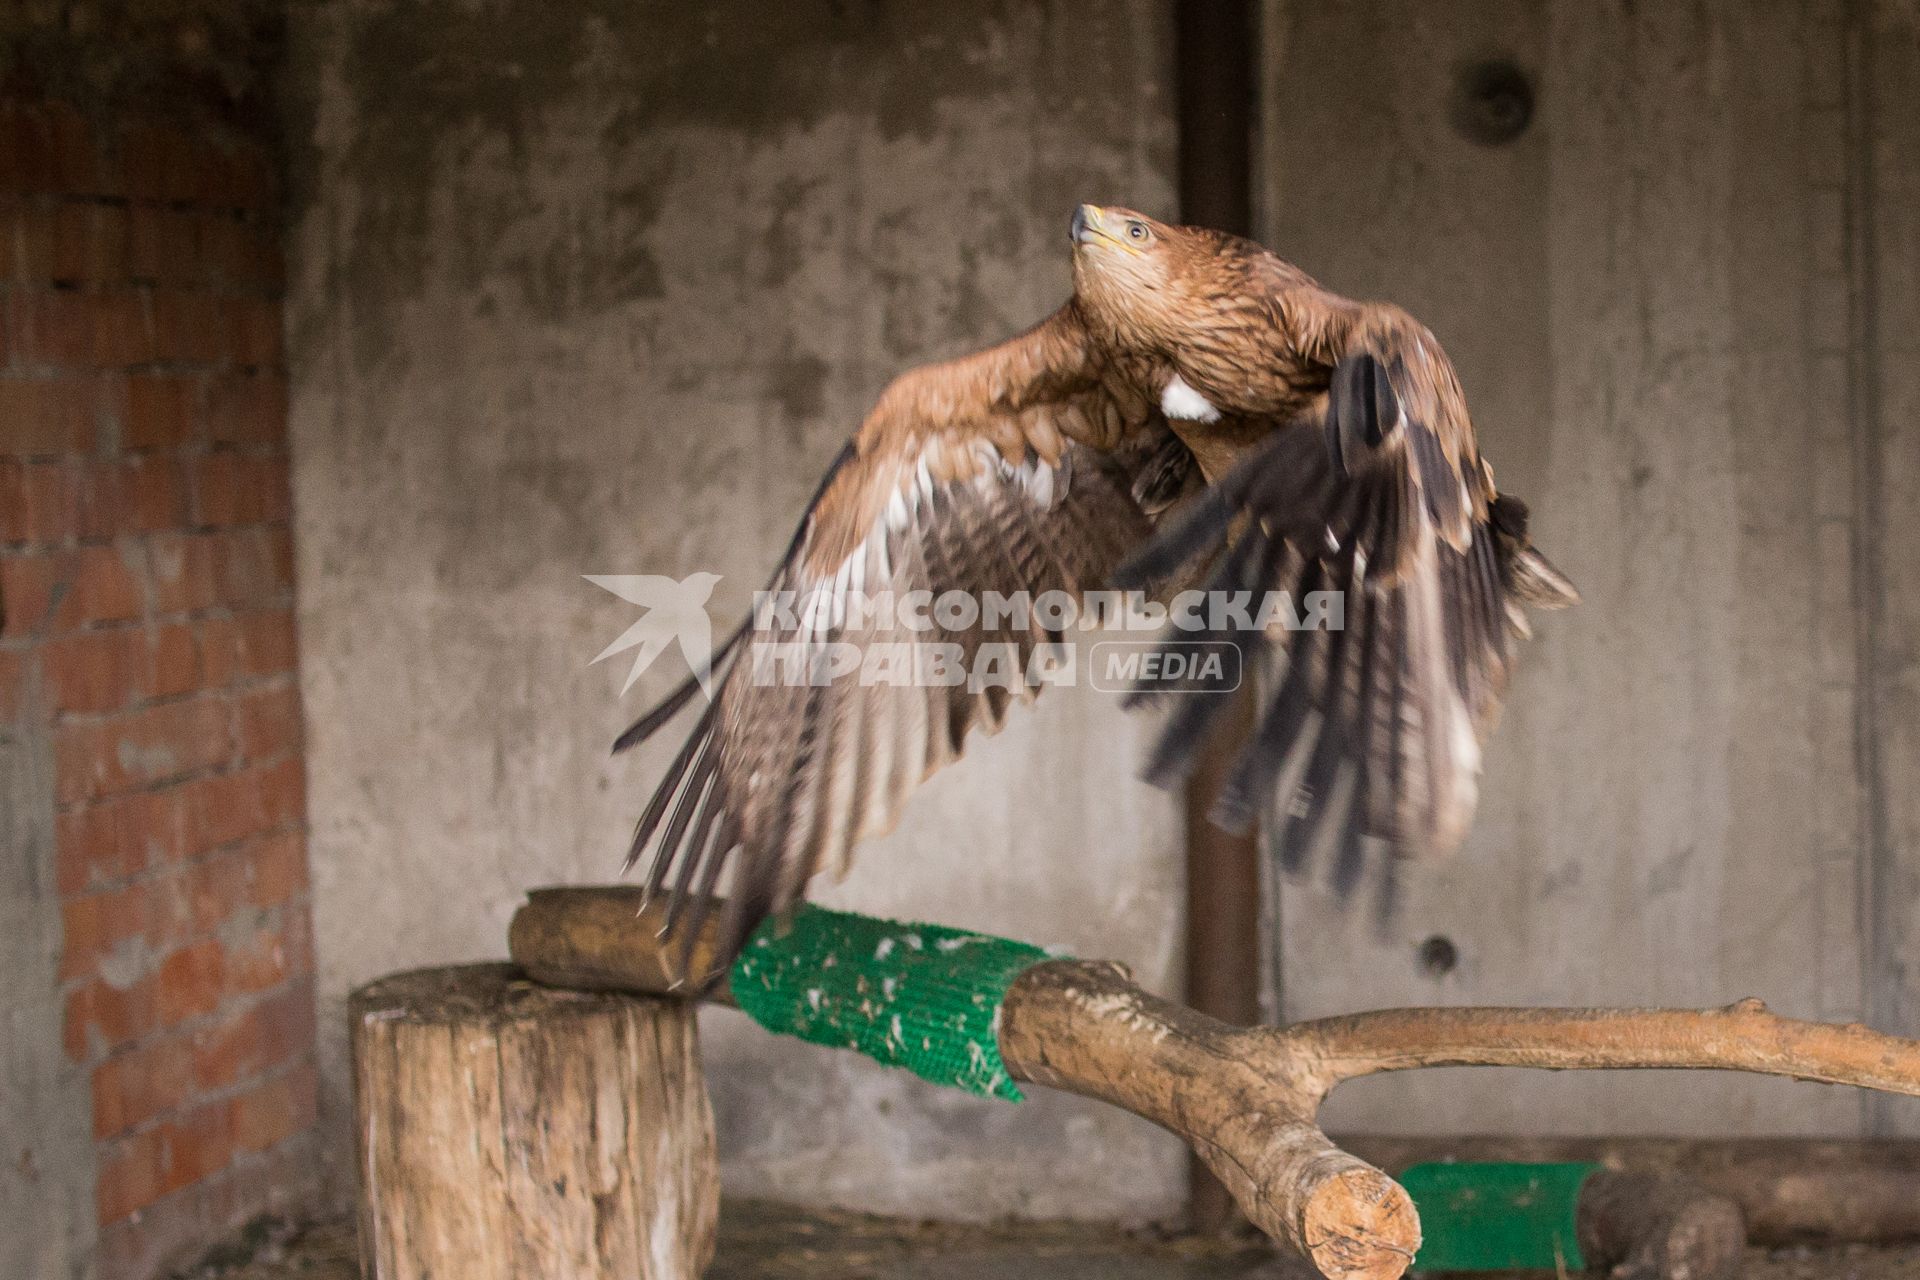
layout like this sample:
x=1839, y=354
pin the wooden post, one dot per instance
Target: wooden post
x=1641, y=1226
x=1216, y=47
x=507, y=1130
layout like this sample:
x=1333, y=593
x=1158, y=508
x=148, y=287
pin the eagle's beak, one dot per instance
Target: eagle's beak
x=1090, y=227
x=1086, y=220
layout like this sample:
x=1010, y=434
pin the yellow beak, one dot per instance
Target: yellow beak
x=1089, y=227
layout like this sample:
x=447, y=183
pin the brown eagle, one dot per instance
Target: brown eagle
x=1335, y=450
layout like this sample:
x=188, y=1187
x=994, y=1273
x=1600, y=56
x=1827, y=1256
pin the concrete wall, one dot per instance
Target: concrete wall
x=1683, y=347
x=46, y=1111
x=601, y=288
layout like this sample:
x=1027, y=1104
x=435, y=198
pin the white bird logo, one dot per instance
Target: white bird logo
x=676, y=610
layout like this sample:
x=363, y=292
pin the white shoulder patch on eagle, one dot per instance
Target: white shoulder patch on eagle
x=1181, y=401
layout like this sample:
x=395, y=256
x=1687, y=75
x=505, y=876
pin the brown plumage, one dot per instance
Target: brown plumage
x=1338, y=455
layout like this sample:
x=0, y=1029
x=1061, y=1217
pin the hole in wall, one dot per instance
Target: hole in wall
x=1438, y=956
x=1492, y=102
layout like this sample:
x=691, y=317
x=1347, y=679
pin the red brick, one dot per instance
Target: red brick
x=39, y=501
x=85, y=765
x=13, y=685
x=171, y=920
x=30, y=584
x=191, y=982
x=208, y=892
x=122, y=329
x=280, y=546
x=235, y=806
x=131, y=1176
x=94, y=924
x=152, y=744
x=226, y=251
x=48, y=147
x=238, y=1047
x=15, y=511
x=45, y=416
x=101, y=1017
x=267, y=722
x=120, y=837
x=140, y=1169
x=269, y=265
x=51, y=327
x=279, y=869
x=89, y=242
x=104, y=584
x=16, y=218
x=14, y=499
x=78, y=1022
x=93, y=671
x=199, y=1145
x=176, y=666
x=141, y=1084
x=274, y=1112
x=224, y=809
x=165, y=246
x=271, y=1034
x=88, y=849
x=219, y=652
x=285, y=787
x=247, y=409
x=152, y=495
x=233, y=488
x=51, y=493
x=266, y=643
x=29, y=229
x=271, y=478
x=190, y=328
x=162, y=163
x=184, y=568
x=141, y=493
x=160, y=412
x=217, y=490
x=255, y=329
x=266, y=958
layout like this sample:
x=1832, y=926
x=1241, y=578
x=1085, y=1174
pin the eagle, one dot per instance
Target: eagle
x=1199, y=410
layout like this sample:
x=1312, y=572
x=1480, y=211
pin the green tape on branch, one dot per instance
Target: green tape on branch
x=919, y=996
x=1498, y=1217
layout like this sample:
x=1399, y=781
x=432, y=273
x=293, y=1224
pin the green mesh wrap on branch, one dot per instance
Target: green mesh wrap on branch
x=1498, y=1217
x=919, y=996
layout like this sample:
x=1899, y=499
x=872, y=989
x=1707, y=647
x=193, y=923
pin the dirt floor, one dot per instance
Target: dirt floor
x=767, y=1242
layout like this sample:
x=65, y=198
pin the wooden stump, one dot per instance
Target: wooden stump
x=508, y=1131
x=1645, y=1226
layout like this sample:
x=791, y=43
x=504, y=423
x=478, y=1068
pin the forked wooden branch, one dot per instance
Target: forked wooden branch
x=1247, y=1098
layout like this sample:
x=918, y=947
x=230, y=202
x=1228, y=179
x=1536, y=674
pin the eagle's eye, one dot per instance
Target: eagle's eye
x=1137, y=232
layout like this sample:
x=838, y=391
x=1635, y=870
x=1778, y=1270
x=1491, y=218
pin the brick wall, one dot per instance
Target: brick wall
x=147, y=585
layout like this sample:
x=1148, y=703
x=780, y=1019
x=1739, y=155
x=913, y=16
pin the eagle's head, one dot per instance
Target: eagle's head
x=1143, y=282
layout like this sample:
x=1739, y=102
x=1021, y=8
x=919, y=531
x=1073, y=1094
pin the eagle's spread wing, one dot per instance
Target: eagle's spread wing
x=1377, y=493
x=993, y=473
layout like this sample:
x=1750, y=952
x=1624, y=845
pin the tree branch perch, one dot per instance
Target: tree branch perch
x=1744, y=1036
x=1247, y=1098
